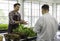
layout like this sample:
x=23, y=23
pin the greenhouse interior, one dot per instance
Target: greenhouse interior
x=29, y=24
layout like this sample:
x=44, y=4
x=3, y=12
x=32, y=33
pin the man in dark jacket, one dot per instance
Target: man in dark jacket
x=15, y=18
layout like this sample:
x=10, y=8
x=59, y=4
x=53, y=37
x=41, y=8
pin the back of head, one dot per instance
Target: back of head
x=46, y=7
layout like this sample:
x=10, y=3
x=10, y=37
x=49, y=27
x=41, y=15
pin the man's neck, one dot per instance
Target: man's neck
x=45, y=13
x=15, y=11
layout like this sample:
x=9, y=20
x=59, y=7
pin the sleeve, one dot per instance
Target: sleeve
x=38, y=25
x=11, y=18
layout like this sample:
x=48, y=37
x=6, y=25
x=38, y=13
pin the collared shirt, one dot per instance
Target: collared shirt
x=46, y=28
x=14, y=16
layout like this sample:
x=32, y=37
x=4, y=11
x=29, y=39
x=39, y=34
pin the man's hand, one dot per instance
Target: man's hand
x=17, y=22
x=23, y=22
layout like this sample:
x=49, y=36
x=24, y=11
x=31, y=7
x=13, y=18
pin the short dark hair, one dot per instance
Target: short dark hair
x=16, y=4
x=45, y=6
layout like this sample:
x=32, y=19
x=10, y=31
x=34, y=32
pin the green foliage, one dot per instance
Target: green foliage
x=3, y=26
x=25, y=30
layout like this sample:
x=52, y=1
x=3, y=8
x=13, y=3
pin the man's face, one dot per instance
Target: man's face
x=43, y=11
x=17, y=7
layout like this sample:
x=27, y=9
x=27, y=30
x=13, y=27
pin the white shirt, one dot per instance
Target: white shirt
x=46, y=28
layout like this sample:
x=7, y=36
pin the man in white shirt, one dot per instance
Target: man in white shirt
x=46, y=26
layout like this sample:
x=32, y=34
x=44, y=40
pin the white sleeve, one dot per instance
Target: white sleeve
x=38, y=25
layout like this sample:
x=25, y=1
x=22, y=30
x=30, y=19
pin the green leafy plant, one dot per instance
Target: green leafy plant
x=3, y=26
x=25, y=30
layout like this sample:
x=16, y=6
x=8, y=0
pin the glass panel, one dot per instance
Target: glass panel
x=27, y=18
x=58, y=13
x=27, y=9
x=34, y=19
x=3, y=12
x=11, y=5
x=3, y=20
x=35, y=9
x=5, y=7
x=50, y=10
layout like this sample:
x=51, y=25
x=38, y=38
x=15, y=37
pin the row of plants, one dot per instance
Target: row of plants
x=26, y=31
x=21, y=30
x=3, y=26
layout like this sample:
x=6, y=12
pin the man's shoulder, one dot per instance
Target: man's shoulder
x=11, y=11
x=41, y=18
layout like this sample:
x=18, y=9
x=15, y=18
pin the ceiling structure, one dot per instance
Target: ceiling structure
x=51, y=1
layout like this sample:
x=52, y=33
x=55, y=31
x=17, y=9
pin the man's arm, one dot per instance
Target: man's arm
x=11, y=18
x=38, y=26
